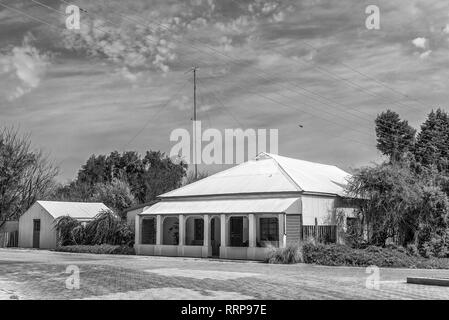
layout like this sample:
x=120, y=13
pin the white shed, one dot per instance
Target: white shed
x=36, y=225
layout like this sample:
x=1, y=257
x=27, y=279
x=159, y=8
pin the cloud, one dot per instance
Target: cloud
x=269, y=59
x=420, y=43
x=425, y=54
x=22, y=69
x=446, y=29
x=183, y=103
x=143, y=39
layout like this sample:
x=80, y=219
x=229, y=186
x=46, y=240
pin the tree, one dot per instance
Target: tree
x=401, y=203
x=73, y=191
x=432, y=145
x=116, y=195
x=26, y=175
x=120, y=179
x=394, y=137
x=190, y=178
x=391, y=197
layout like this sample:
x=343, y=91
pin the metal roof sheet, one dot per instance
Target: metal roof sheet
x=77, y=210
x=257, y=205
x=269, y=173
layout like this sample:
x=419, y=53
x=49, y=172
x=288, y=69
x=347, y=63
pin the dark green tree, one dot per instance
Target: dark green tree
x=395, y=137
x=432, y=144
x=147, y=177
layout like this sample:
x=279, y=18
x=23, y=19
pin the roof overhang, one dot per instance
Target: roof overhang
x=219, y=206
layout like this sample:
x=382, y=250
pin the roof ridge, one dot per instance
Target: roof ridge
x=284, y=172
x=295, y=159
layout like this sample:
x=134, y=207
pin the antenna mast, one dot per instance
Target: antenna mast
x=194, y=123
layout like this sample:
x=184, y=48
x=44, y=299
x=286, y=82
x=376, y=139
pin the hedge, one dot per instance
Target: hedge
x=341, y=255
x=98, y=249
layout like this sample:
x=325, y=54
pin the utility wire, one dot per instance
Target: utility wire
x=100, y=30
x=155, y=115
x=223, y=54
x=324, y=110
x=231, y=114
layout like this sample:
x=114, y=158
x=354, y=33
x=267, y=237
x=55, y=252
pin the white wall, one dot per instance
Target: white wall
x=131, y=217
x=320, y=207
x=47, y=233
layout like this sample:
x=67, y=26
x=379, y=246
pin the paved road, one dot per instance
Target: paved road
x=37, y=274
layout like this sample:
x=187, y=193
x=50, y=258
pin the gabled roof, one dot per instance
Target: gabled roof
x=269, y=173
x=77, y=210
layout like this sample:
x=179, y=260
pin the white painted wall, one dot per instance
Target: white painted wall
x=47, y=233
x=320, y=207
x=131, y=217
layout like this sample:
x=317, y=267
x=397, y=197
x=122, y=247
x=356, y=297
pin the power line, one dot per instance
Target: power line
x=232, y=59
x=330, y=121
x=268, y=98
x=324, y=110
x=155, y=115
x=358, y=72
x=106, y=32
x=19, y=11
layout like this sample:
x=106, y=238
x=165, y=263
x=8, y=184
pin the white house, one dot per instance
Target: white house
x=240, y=212
x=37, y=224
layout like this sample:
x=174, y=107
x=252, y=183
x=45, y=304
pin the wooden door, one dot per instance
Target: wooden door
x=36, y=233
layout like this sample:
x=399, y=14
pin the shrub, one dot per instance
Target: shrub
x=70, y=231
x=340, y=255
x=108, y=228
x=98, y=249
x=105, y=228
x=412, y=250
x=292, y=253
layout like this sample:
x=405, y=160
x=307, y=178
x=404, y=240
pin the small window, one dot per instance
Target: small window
x=269, y=229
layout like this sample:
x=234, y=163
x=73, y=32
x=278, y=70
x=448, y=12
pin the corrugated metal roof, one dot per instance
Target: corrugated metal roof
x=78, y=210
x=314, y=177
x=257, y=205
x=269, y=173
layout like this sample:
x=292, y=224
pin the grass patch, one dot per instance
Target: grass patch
x=98, y=249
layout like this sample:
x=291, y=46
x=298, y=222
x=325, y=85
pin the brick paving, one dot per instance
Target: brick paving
x=39, y=274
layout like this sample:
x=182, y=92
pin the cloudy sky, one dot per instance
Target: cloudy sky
x=120, y=82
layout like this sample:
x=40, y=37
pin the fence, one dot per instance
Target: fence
x=9, y=239
x=325, y=234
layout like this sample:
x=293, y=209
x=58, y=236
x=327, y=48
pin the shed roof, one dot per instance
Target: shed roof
x=77, y=210
x=269, y=173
